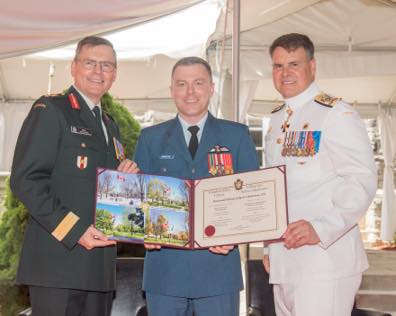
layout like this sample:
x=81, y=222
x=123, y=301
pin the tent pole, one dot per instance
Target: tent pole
x=393, y=95
x=235, y=84
x=235, y=58
x=3, y=86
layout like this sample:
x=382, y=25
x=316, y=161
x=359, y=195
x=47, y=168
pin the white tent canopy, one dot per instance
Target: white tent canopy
x=174, y=34
x=355, y=43
x=28, y=26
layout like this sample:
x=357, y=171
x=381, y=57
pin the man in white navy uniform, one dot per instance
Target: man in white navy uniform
x=331, y=181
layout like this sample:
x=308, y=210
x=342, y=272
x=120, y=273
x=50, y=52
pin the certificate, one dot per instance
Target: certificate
x=232, y=209
x=240, y=208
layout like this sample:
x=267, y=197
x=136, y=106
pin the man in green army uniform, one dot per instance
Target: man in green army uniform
x=69, y=265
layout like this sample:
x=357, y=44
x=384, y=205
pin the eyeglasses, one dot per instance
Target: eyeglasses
x=105, y=66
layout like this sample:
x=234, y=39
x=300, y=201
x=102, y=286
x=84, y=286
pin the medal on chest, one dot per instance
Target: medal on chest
x=220, y=161
x=119, y=150
x=301, y=143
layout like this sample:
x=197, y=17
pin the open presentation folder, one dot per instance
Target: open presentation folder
x=192, y=214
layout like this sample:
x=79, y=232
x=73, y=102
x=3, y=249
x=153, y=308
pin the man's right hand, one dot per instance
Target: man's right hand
x=128, y=166
x=266, y=263
x=93, y=238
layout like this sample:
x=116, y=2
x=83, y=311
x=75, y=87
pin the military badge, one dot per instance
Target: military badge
x=82, y=162
x=238, y=184
x=285, y=125
x=119, y=150
x=74, y=102
x=80, y=130
x=326, y=100
x=220, y=161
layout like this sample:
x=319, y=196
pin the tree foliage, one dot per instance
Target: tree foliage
x=13, y=298
x=157, y=190
x=136, y=219
x=104, y=220
x=161, y=226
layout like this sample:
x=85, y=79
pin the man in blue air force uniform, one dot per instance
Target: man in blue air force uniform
x=206, y=282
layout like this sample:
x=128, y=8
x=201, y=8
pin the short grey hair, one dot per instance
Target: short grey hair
x=92, y=41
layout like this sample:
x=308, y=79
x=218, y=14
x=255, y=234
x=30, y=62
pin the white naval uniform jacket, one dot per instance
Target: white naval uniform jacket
x=331, y=189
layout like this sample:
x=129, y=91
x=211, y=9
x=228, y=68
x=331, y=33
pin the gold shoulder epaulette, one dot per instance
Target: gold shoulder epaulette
x=278, y=108
x=326, y=100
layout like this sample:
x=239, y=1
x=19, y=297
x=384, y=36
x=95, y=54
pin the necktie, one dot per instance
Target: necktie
x=193, y=145
x=98, y=118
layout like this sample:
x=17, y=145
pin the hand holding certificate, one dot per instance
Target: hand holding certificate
x=167, y=211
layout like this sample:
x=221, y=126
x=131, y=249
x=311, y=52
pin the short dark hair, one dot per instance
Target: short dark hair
x=292, y=41
x=193, y=60
x=92, y=41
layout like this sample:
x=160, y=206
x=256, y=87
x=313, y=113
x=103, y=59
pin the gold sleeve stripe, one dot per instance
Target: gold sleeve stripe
x=65, y=226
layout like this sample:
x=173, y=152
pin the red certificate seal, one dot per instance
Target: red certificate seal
x=210, y=230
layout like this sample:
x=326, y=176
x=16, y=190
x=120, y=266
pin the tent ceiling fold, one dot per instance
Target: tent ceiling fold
x=355, y=43
x=31, y=26
x=358, y=33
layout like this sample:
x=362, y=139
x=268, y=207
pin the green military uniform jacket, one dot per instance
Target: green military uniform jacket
x=58, y=150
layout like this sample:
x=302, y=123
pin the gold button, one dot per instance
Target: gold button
x=83, y=145
x=279, y=140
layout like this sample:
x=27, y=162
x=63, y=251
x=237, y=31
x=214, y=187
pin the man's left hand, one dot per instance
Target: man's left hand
x=221, y=250
x=93, y=238
x=299, y=234
x=128, y=166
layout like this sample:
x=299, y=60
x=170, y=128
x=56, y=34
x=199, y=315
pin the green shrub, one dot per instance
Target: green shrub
x=13, y=298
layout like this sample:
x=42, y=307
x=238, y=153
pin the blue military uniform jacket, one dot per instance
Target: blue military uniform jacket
x=58, y=150
x=162, y=150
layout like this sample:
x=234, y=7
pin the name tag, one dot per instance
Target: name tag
x=167, y=157
x=80, y=130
